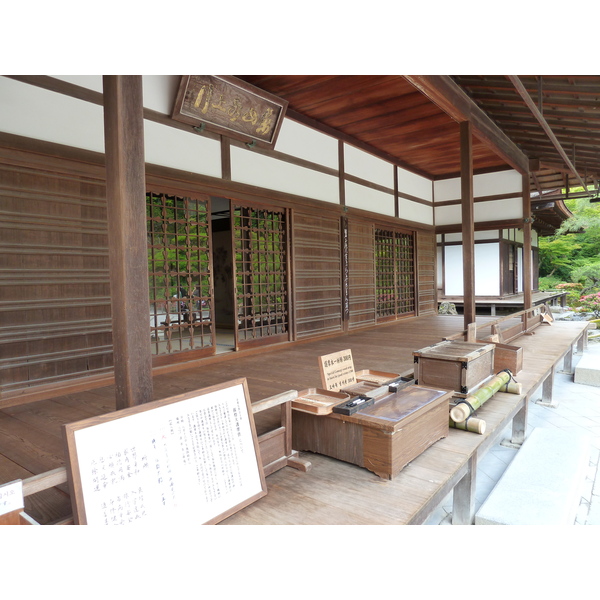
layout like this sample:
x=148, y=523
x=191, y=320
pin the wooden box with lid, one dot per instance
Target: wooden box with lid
x=454, y=365
x=383, y=437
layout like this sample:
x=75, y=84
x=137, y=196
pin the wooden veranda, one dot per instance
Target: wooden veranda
x=31, y=437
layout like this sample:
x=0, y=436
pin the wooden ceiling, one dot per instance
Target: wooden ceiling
x=390, y=116
x=385, y=114
x=570, y=106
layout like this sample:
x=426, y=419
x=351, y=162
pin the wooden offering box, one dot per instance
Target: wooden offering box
x=454, y=365
x=507, y=357
x=383, y=437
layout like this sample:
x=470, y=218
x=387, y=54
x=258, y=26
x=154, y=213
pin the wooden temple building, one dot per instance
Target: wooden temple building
x=164, y=234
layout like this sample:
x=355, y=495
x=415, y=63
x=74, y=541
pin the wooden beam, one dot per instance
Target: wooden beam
x=128, y=252
x=454, y=101
x=527, y=260
x=540, y=118
x=468, y=222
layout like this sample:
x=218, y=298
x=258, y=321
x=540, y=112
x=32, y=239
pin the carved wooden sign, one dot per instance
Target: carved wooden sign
x=230, y=107
x=337, y=370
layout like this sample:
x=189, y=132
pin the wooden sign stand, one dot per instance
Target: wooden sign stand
x=189, y=458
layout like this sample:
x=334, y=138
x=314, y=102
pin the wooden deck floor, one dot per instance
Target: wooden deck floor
x=31, y=435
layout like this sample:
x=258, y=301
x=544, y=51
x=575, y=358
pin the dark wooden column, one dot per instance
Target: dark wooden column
x=468, y=222
x=527, y=267
x=128, y=253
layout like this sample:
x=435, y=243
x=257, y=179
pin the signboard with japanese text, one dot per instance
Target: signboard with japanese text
x=11, y=497
x=337, y=370
x=230, y=107
x=189, y=459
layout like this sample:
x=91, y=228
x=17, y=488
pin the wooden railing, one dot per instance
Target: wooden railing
x=527, y=321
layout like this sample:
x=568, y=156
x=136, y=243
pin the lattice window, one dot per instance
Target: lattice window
x=178, y=263
x=395, y=268
x=261, y=272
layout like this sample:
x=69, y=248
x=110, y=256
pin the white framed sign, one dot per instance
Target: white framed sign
x=188, y=459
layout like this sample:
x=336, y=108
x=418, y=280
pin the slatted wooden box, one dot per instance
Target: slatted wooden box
x=507, y=357
x=383, y=437
x=454, y=365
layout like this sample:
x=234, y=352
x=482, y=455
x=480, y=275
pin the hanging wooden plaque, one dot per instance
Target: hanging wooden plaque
x=231, y=107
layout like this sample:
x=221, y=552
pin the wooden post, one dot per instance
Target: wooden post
x=527, y=268
x=128, y=252
x=468, y=222
x=463, y=500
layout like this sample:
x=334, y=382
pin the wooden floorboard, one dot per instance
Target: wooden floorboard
x=332, y=492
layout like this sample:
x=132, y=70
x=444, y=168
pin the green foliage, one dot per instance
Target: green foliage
x=556, y=255
x=588, y=276
x=572, y=254
x=548, y=283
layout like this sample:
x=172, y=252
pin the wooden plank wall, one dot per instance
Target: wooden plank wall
x=426, y=256
x=361, y=254
x=317, y=275
x=55, y=315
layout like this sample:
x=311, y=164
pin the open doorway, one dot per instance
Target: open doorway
x=223, y=275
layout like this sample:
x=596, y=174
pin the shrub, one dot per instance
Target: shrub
x=574, y=292
x=548, y=283
x=591, y=304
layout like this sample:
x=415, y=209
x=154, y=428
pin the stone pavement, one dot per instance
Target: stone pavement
x=577, y=409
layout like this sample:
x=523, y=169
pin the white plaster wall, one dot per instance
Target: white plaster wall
x=309, y=144
x=493, y=210
x=534, y=238
x=487, y=270
x=446, y=189
x=493, y=184
x=368, y=167
x=256, y=169
x=493, y=234
x=520, y=267
x=453, y=237
x=181, y=150
x=43, y=115
x=486, y=184
x=447, y=215
x=498, y=210
x=360, y=196
x=159, y=91
x=415, y=211
x=91, y=82
x=454, y=271
x=414, y=185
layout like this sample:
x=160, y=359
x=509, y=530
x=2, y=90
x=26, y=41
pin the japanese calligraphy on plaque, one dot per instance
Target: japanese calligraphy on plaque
x=231, y=107
x=337, y=370
x=188, y=459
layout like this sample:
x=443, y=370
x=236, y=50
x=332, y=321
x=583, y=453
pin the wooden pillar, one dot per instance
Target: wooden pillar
x=128, y=253
x=468, y=222
x=527, y=261
x=463, y=500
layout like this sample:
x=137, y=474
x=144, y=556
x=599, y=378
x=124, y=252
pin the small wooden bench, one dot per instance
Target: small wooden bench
x=543, y=483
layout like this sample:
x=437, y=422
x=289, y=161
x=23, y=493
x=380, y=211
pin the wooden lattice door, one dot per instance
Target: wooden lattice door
x=395, y=268
x=181, y=288
x=260, y=242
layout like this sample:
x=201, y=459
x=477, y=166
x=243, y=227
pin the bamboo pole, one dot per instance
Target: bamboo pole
x=473, y=424
x=464, y=408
